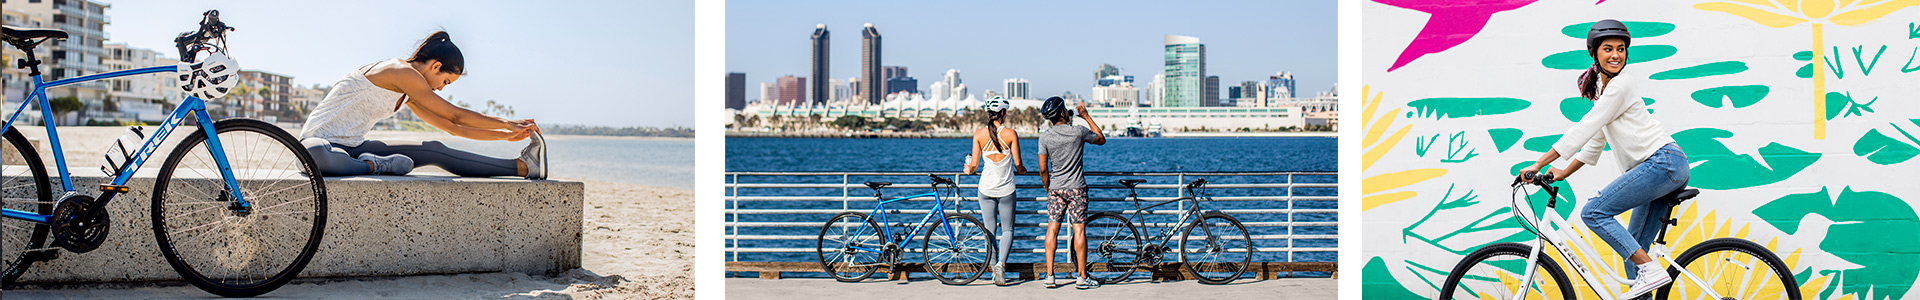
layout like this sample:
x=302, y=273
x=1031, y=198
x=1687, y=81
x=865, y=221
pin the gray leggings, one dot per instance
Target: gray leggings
x=341, y=160
x=999, y=210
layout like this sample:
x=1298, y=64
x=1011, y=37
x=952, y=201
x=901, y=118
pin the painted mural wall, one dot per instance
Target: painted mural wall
x=1801, y=120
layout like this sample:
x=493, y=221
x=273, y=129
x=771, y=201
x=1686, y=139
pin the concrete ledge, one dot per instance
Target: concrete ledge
x=376, y=226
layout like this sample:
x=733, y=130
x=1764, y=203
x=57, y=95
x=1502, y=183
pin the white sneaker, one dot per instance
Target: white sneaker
x=1051, y=282
x=395, y=164
x=1652, y=276
x=999, y=275
x=535, y=157
x=1087, y=283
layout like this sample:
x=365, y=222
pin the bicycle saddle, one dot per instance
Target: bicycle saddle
x=1132, y=182
x=878, y=184
x=1680, y=195
x=23, y=38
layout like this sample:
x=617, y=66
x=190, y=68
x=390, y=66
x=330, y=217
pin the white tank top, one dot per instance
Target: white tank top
x=350, y=109
x=996, y=178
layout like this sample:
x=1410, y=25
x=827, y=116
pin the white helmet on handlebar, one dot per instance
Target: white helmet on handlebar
x=211, y=77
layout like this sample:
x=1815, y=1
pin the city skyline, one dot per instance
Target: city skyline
x=764, y=41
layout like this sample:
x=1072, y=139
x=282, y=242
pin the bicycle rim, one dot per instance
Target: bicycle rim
x=24, y=186
x=219, y=249
x=835, y=247
x=1216, y=249
x=956, y=251
x=1495, y=272
x=1112, y=248
x=1732, y=269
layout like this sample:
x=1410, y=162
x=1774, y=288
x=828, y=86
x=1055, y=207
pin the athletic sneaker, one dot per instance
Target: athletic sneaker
x=999, y=275
x=1652, y=276
x=1051, y=282
x=1087, y=283
x=396, y=164
x=535, y=156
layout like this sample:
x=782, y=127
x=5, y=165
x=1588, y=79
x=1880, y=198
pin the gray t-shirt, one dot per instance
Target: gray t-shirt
x=1062, y=145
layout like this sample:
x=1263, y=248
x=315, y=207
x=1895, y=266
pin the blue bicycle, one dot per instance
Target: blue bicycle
x=238, y=207
x=955, y=248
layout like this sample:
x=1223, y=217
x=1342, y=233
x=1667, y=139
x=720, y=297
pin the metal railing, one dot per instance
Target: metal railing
x=1279, y=224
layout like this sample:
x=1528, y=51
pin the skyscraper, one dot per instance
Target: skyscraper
x=769, y=94
x=1211, y=90
x=1233, y=92
x=891, y=72
x=736, y=90
x=1104, y=71
x=870, y=63
x=1016, y=88
x=821, y=90
x=1186, y=69
x=793, y=90
x=1249, y=90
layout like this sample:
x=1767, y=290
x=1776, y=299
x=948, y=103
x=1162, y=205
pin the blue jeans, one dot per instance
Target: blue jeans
x=1662, y=173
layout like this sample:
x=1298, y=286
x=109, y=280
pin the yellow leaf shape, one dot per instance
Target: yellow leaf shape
x=1864, y=15
x=1369, y=202
x=1815, y=9
x=1756, y=15
x=1757, y=2
x=1366, y=111
x=1398, y=179
x=1373, y=155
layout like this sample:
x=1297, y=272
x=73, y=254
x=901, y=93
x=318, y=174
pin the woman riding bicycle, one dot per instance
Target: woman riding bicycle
x=1002, y=157
x=1651, y=163
x=335, y=133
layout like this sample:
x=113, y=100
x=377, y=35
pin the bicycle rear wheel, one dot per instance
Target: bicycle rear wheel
x=220, y=248
x=1494, y=272
x=1734, y=269
x=24, y=186
x=1113, y=248
x=957, y=251
x=841, y=243
x=1217, y=249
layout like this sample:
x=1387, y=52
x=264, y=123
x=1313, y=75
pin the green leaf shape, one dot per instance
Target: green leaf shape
x=1803, y=55
x=1739, y=95
x=1541, y=143
x=1804, y=72
x=1702, y=70
x=1504, y=138
x=1875, y=230
x=1377, y=283
x=1450, y=108
x=1718, y=168
x=1460, y=203
x=1578, y=59
x=1639, y=29
x=1574, y=108
x=1882, y=149
x=1836, y=101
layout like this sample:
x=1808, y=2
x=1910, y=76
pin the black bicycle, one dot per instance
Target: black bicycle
x=1214, y=246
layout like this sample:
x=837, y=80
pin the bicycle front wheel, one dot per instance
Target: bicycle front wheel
x=1216, y=249
x=1113, y=248
x=957, y=250
x=216, y=244
x=1495, y=272
x=848, y=247
x=1734, y=269
x=23, y=186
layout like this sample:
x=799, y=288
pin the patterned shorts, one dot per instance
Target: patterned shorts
x=1067, y=204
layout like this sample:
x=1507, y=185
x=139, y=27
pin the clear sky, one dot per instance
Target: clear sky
x=616, y=63
x=1055, y=45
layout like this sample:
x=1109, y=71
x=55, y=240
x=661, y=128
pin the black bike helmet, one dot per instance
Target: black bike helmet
x=1604, y=29
x=1054, y=109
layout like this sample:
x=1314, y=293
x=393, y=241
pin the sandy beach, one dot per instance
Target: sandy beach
x=637, y=243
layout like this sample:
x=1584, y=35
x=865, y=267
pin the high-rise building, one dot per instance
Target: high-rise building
x=835, y=91
x=1117, y=95
x=1211, y=92
x=1282, y=85
x=859, y=88
x=14, y=81
x=1016, y=88
x=1156, y=90
x=1233, y=92
x=737, y=90
x=81, y=54
x=269, y=97
x=891, y=72
x=903, y=84
x=769, y=94
x=953, y=78
x=821, y=91
x=870, y=63
x=1248, y=94
x=1104, y=71
x=793, y=90
x=1186, y=72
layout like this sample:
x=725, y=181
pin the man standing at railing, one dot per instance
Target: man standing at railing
x=1060, y=149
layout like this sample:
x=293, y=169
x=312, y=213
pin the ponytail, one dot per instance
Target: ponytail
x=993, y=132
x=439, y=47
x=1589, y=83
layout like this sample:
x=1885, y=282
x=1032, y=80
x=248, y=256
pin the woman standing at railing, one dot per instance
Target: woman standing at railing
x=996, y=178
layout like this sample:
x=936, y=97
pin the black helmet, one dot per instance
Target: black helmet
x=1606, y=29
x=1054, y=108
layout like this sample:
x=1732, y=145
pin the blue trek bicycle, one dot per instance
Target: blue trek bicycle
x=955, y=248
x=238, y=207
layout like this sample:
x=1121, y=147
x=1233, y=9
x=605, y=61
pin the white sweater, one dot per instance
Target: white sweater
x=1618, y=118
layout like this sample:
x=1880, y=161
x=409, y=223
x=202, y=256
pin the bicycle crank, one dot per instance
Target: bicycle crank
x=77, y=226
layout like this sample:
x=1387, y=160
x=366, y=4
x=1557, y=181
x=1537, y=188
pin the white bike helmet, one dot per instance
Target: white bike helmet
x=211, y=77
x=996, y=104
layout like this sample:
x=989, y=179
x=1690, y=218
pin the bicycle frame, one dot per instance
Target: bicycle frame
x=935, y=214
x=190, y=107
x=1183, y=223
x=1566, y=241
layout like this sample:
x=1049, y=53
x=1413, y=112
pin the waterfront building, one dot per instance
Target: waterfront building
x=1016, y=88
x=821, y=90
x=870, y=64
x=138, y=98
x=14, y=81
x=736, y=90
x=1196, y=119
x=903, y=84
x=1105, y=70
x=1211, y=92
x=838, y=91
x=1118, y=95
x=1233, y=92
x=1186, y=72
x=267, y=97
x=82, y=53
x=792, y=89
x=769, y=94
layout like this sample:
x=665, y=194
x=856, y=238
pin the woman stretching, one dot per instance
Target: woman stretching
x=335, y=133
x=1651, y=164
x=996, y=178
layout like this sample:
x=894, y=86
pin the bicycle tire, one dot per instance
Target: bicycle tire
x=34, y=235
x=1787, y=287
x=1220, y=265
x=273, y=204
x=970, y=264
x=865, y=230
x=1108, y=248
x=1494, y=256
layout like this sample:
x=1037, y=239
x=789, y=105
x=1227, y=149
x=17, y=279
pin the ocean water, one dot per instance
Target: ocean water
x=654, y=162
x=947, y=156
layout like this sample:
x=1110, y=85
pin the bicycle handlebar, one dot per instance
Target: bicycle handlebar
x=1197, y=183
x=1541, y=178
x=939, y=181
x=211, y=29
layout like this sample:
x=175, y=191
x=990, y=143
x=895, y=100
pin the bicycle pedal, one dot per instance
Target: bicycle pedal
x=42, y=254
x=114, y=188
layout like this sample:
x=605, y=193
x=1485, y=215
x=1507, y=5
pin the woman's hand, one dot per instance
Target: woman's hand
x=1530, y=170
x=521, y=129
x=1559, y=174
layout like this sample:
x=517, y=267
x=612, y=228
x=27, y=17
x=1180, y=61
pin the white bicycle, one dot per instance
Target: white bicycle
x=1722, y=268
